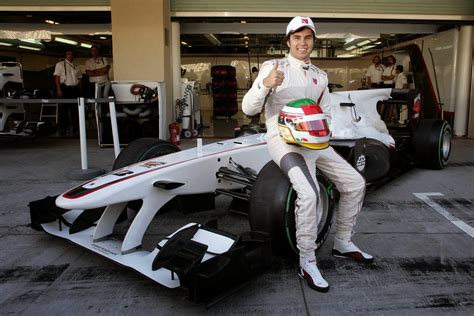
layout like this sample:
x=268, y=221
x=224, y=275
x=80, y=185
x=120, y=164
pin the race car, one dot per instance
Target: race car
x=149, y=174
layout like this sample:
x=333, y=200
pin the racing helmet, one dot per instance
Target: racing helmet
x=302, y=122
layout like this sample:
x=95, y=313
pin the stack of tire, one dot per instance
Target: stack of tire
x=224, y=90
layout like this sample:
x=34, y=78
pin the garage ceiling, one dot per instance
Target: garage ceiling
x=214, y=35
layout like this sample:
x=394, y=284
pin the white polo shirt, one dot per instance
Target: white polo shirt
x=375, y=73
x=68, y=73
x=97, y=63
x=389, y=71
x=401, y=80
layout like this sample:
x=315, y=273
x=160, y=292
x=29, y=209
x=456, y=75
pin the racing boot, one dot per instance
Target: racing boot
x=345, y=248
x=309, y=272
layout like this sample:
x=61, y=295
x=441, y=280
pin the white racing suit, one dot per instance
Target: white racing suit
x=299, y=163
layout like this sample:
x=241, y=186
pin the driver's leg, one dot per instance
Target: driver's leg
x=294, y=162
x=351, y=186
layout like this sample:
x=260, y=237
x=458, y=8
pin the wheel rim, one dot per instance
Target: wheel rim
x=445, y=146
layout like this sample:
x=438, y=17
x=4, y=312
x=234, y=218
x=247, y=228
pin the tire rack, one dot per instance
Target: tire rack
x=224, y=91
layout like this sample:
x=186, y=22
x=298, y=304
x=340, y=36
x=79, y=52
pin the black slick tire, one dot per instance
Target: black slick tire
x=272, y=205
x=432, y=143
x=143, y=149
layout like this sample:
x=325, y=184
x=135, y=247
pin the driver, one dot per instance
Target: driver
x=278, y=84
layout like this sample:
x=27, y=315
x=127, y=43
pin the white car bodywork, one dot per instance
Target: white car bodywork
x=10, y=72
x=193, y=171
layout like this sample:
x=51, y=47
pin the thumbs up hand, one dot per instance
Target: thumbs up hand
x=275, y=78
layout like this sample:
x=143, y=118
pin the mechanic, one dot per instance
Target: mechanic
x=401, y=81
x=278, y=83
x=97, y=68
x=374, y=73
x=388, y=75
x=67, y=77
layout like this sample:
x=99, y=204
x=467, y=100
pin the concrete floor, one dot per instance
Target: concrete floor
x=424, y=264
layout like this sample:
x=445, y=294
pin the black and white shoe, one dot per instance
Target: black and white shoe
x=309, y=272
x=346, y=249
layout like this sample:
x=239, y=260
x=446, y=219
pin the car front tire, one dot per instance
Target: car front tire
x=272, y=208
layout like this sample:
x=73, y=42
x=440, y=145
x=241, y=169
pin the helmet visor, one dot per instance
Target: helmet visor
x=315, y=127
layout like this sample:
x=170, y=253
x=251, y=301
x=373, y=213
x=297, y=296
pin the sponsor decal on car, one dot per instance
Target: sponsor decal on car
x=360, y=163
x=150, y=164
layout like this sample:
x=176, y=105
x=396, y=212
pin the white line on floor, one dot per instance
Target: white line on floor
x=438, y=208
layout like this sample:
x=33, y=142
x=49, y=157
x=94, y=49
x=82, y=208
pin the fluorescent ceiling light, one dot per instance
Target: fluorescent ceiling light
x=103, y=37
x=5, y=44
x=65, y=41
x=351, y=47
x=86, y=45
x=363, y=43
x=213, y=39
x=349, y=39
x=346, y=55
x=30, y=40
x=184, y=43
x=28, y=47
x=368, y=47
x=51, y=22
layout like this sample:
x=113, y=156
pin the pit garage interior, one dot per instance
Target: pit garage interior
x=426, y=262
x=197, y=36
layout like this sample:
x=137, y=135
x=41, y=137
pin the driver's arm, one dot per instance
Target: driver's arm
x=253, y=100
x=325, y=104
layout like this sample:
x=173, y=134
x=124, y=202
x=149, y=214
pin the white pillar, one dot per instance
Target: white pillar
x=470, y=132
x=175, y=64
x=82, y=133
x=113, y=124
x=463, y=80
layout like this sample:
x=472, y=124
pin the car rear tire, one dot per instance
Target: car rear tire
x=272, y=205
x=377, y=160
x=432, y=143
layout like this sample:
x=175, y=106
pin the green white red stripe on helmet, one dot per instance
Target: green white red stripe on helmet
x=304, y=123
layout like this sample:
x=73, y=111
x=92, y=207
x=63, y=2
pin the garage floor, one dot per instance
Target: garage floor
x=424, y=263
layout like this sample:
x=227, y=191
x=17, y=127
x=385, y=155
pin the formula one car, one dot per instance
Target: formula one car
x=150, y=174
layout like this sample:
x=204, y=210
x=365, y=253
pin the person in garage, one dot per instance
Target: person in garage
x=279, y=83
x=67, y=77
x=374, y=73
x=401, y=81
x=389, y=74
x=97, y=68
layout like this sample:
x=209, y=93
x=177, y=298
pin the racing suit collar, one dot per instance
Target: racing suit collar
x=298, y=63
